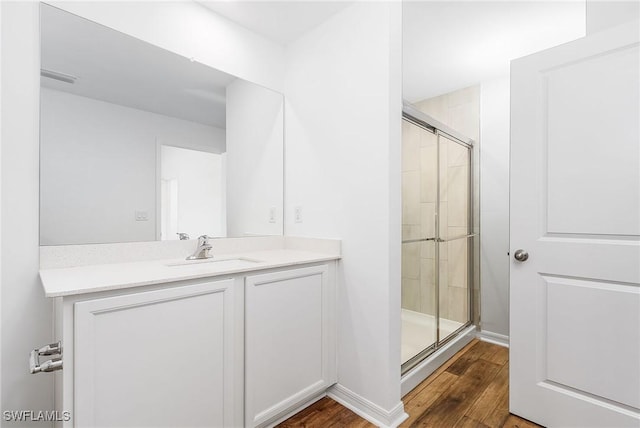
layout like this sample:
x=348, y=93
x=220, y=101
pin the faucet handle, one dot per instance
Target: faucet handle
x=183, y=236
x=204, y=240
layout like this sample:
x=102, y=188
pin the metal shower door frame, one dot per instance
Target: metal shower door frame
x=423, y=120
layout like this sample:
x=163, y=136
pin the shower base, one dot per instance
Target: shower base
x=419, y=332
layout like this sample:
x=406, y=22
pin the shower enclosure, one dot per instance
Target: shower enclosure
x=437, y=235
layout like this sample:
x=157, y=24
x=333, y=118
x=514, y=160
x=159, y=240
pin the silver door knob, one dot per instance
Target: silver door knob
x=521, y=255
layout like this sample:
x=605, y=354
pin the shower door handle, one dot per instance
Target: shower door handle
x=521, y=255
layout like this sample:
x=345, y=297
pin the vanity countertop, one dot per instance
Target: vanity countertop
x=67, y=281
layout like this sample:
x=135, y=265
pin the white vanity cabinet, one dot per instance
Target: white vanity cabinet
x=289, y=341
x=241, y=348
x=164, y=357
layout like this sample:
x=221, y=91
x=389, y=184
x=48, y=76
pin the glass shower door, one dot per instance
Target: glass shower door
x=455, y=236
x=437, y=239
x=419, y=200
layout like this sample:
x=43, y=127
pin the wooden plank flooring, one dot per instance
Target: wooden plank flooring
x=471, y=390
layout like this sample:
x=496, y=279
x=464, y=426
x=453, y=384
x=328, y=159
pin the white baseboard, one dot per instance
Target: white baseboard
x=420, y=372
x=366, y=409
x=495, y=338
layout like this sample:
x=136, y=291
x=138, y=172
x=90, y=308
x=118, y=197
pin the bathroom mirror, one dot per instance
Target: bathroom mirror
x=138, y=143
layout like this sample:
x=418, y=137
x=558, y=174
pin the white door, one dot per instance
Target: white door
x=575, y=209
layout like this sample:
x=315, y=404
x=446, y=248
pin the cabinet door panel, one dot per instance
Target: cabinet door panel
x=288, y=342
x=157, y=358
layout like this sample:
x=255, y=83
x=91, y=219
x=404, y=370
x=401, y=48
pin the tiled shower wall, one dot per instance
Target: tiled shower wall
x=459, y=110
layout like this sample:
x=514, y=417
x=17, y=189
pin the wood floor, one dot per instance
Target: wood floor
x=470, y=390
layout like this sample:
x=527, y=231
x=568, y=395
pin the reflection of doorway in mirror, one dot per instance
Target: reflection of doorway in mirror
x=192, y=193
x=169, y=208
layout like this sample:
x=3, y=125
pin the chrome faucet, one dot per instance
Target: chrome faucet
x=202, y=251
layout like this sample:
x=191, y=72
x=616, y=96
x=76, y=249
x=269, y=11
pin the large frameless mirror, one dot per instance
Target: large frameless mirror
x=139, y=144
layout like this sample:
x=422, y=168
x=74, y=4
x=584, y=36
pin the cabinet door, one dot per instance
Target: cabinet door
x=160, y=358
x=289, y=342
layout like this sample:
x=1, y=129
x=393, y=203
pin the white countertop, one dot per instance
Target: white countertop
x=69, y=281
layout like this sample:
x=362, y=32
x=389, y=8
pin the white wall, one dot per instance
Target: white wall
x=494, y=206
x=193, y=31
x=0, y=211
x=255, y=137
x=98, y=167
x=26, y=313
x=343, y=139
x=184, y=28
x=603, y=14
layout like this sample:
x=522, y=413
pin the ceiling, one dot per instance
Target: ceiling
x=113, y=67
x=279, y=21
x=449, y=45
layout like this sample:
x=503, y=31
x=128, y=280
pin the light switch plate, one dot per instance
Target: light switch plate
x=297, y=214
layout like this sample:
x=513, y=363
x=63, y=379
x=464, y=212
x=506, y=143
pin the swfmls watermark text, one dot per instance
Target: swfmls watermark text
x=36, y=416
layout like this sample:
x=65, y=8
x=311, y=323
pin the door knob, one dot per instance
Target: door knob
x=521, y=255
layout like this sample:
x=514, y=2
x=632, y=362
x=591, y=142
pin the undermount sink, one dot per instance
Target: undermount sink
x=218, y=263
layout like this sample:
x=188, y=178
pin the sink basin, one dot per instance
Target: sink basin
x=217, y=263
